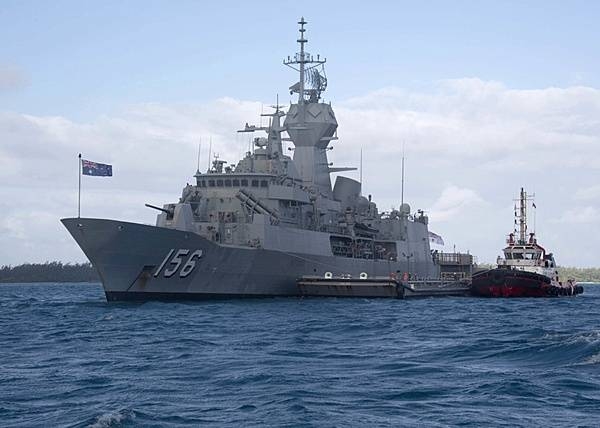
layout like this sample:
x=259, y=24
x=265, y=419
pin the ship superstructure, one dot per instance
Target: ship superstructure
x=253, y=228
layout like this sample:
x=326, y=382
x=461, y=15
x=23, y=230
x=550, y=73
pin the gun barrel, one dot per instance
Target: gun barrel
x=159, y=209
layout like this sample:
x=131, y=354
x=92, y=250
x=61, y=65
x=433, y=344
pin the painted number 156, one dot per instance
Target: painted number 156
x=171, y=263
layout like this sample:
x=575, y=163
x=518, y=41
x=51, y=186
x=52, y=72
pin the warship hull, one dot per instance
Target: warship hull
x=144, y=262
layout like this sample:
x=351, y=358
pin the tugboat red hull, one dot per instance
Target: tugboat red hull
x=517, y=283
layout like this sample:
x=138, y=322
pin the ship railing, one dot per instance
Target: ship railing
x=453, y=258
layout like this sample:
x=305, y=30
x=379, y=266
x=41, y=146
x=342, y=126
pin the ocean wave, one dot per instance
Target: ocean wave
x=71, y=359
x=113, y=419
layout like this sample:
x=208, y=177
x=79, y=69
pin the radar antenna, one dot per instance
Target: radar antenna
x=312, y=71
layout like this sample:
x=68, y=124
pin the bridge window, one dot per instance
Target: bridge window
x=211, y=183
x=219, y=183
x=236, y=183
x=264, y=183
x=227, y=183
x=244, y=182
x=254, y=183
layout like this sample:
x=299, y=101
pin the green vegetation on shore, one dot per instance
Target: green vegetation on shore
x=580, y=274
x=49, y=272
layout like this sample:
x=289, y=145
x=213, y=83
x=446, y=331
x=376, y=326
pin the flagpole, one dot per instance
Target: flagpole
x=361, y=182
x=79, y=193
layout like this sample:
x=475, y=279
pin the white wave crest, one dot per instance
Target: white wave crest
x=111, y=419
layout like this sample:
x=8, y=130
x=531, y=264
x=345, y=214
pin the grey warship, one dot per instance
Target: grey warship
x=255, y=228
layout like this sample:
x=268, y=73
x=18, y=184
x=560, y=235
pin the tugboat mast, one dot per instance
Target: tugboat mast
x=522, y=216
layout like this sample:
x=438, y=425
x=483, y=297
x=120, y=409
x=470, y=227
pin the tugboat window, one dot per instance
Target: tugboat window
x=264, y=183
x=219, y=183
x=254, y=183
x=211, y=183
x=227, y=183
x=236, y=183
x=244, y=182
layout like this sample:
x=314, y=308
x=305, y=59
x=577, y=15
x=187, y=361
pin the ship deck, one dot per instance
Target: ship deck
x=378, y=287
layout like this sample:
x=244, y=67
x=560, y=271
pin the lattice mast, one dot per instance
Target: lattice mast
x=308, y=68
x=521, y=216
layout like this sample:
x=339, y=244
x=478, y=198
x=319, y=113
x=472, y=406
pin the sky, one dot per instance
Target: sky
x=486, y=97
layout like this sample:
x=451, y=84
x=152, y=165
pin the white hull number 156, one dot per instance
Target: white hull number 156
x=173, y=264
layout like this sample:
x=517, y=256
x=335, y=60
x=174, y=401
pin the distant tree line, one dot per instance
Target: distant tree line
x=580, y=274
x=49, y=272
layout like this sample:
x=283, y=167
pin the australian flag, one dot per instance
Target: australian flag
x=95, y=168
x=434, y=238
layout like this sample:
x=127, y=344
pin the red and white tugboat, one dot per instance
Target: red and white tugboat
x=526, y=270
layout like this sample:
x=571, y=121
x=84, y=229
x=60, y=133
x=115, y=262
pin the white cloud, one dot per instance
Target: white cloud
x=588, y=193
x=580, y=215
x=470, y=146
x=452, y=202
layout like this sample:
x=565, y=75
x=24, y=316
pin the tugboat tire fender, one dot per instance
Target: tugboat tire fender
x=497, y=278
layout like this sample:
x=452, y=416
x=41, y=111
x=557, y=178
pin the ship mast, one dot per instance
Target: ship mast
x=521, y=216
x=302, y=41
x=311, y=132
x=304, y=63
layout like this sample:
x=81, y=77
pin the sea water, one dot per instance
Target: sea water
x=69, y=358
